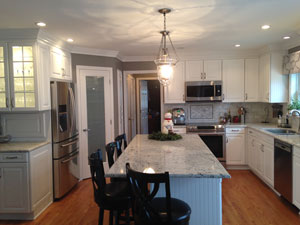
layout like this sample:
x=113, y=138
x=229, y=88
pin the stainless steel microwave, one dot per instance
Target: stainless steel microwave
x=203, y=91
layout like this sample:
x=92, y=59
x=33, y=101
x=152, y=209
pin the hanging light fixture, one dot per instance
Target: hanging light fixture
x=165, y=62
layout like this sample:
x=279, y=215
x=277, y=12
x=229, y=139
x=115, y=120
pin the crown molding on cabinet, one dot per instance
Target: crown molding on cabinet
x=95, y=51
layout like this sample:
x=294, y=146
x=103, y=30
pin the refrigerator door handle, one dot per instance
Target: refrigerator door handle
x=70, y=143
x=70, y=158
x=72, y=105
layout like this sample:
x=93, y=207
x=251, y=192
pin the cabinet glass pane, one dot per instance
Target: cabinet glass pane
x=18, y=69
x=29, y=84
x=2, y=84
x=30, y=100
x=28, y=69
x=2, y=69
x=27, y=53
x=17, y=53
x=1, y=54
x=19, y=100
x=2, y=100
x=19, y=84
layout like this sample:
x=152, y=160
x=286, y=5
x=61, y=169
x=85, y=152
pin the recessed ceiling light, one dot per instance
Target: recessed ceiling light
x=237, y=45
x=286, y=37
x=70, y=40
x=265, y=27
x=40, y=24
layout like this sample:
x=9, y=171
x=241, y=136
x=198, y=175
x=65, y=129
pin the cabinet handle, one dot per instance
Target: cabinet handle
x=201, y=75
x=204, y=75
x=0, y=173
x=262, y=148
x=234, y=130
x=250, y=132
x=246, y=96
x=223, y=97
x=183, y=97
x=6, y=102
x=12, y=102
x=11, y=157
x=226, y=140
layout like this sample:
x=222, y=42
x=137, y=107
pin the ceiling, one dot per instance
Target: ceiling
x=132, y=26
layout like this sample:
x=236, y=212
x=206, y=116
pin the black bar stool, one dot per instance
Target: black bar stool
x=120, y=139
x=149, y=210
x=114, y=197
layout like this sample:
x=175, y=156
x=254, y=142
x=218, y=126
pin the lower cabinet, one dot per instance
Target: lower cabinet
x=296, y=177
x=25, y=183
x=235, y=146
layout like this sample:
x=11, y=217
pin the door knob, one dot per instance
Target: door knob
x=86, y=130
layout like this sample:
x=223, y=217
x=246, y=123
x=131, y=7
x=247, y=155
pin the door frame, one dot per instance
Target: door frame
x=138, y=93
x=78, y=96
x=120, y=87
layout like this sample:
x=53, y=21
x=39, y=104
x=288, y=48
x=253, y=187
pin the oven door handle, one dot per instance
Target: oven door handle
x=212, y=134
x=70, y=158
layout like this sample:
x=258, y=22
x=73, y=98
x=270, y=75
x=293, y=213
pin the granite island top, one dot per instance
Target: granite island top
x=188, y=157
x=21, y=146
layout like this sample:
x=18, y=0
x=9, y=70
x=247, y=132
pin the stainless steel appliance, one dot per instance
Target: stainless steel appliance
x=64, y=138
x=203, y=91
x=283, y=169
x=213, y=136
x=178, y=116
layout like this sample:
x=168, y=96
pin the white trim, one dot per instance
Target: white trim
x=94, y=51
x=79, y=112
x=120, y=87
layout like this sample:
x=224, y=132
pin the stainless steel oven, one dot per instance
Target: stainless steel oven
x=214, y=137
x=203, y=91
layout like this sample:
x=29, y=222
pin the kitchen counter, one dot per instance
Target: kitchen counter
x=21, y=146
x=188, y=157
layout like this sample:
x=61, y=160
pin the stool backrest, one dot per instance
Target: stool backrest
x=110, y=150
x=97, y=174
x=121, y=139
x=144, y=188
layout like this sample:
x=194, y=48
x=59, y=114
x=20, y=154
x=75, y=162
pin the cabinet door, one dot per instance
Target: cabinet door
x=251, y=80
x=212, y=70
x=233, y=80
x=14, y=188
x=296, y=181
x=194, y=70
x=23, y=77
x=174, y=92
x=56, y=63
x=4, y=88
x=269, y=163
x=251, y=151
x=235, y=149
x=260, y=159
x=264, y=77
x=67, y=67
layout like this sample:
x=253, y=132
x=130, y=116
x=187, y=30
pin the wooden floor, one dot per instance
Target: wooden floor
x=246, y=200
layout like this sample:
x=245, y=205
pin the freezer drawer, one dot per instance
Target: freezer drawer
x=66, y=174
x=65, y=147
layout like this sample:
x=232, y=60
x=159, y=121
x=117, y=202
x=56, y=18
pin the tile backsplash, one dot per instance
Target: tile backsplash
x=210, y=112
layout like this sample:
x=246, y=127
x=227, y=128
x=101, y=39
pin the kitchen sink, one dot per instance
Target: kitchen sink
x=280, y=131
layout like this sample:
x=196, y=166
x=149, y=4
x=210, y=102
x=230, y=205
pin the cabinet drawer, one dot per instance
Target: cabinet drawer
x=296, y=151
x=13, y=157
x=237, y=130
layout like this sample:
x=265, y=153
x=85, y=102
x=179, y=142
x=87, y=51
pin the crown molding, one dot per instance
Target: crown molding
x=17, y=34
x=95, y=51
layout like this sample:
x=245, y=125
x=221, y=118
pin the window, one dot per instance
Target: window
x=294, y=87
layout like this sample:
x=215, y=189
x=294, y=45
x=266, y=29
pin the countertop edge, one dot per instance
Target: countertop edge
x=35, y=145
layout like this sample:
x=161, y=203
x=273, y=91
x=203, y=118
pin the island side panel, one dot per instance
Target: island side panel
x=204, y=196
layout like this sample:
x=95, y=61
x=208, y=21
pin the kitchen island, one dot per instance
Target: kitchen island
x=195, y=173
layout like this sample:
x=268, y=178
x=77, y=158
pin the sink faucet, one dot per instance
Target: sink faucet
x=293, y=111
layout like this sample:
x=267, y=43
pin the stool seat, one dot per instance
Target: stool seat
x=180, y=211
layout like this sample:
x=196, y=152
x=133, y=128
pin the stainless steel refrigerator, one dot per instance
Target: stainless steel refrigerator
x=64, y=138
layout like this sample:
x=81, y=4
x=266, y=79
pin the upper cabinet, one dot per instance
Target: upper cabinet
x=273, y=84
x=203, y=70
x=174, y=92
x=233, y=80
x=60, y=64
x=23, y=75
x=251, y=80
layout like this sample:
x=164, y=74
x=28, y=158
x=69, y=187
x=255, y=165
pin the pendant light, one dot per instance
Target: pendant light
x=165, y=61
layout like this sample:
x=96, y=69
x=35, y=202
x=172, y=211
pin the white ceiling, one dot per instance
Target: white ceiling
x=132, y=26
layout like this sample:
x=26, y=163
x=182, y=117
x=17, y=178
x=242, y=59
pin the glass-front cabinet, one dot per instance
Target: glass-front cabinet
x=23, y=79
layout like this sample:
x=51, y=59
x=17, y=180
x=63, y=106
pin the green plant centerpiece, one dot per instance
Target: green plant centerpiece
x=295, y=104
x=159, y=136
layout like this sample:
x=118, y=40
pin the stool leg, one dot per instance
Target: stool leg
x=111, y=217
x=117, y=218
x=101, y=215
x=127, y=217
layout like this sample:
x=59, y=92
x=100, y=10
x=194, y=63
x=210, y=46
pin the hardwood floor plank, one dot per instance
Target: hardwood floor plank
x=246, y=201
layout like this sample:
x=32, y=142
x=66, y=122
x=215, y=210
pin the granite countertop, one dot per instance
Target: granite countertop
x=21, y=146
x=188, y=157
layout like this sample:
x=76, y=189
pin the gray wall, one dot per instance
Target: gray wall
x=91, y=60
x=129, y=66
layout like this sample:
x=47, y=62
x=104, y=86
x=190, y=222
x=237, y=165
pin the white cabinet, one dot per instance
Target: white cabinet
x=235, y=146
x=251, y=150
x=233, y=80
x=25, y=183
x=273, y=84
x=174, y=92
x=251, y=80
x=24, y=74
x=203, y=70
x=60, y=64
x=296, y=177
x=14, y=187
x=268, y=151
